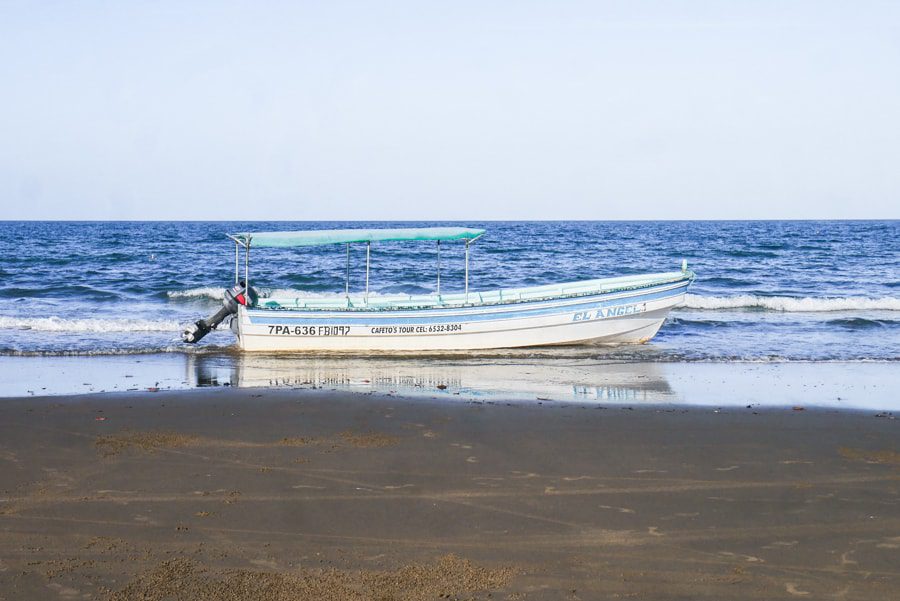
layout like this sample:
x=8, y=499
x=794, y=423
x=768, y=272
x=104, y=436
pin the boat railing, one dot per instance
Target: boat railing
x=475, y=298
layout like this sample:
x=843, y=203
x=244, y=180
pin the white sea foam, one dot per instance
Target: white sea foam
x=216, y=293
x=59, y=324
x=183, y=349
x=692, y=301
x=792, y=304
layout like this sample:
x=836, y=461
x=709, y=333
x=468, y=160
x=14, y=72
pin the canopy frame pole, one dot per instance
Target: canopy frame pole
x=467, y=272
x=439, y=269
x=347, y=281
x=241, y=240
x=368, y=246
x=247, y=267
x=237, y=264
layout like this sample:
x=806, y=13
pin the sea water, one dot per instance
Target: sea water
x=765, y=290
x=778, y=309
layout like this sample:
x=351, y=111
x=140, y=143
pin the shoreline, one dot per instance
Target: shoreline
x=278, y=494
x=843, y=385
x=202, y=397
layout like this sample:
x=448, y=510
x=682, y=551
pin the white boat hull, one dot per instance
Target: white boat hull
x=632, y=316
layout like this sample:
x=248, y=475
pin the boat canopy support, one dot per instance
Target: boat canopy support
x=467, y=271
x=238, y=243
x=368, y=248
x=322, y=237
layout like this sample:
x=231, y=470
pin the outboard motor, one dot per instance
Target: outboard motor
x=238, y=295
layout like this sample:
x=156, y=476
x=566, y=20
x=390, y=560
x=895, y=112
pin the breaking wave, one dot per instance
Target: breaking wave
x=207, y=292
x=59, y=324
x=692, y=301
x=206, y=349
x=216, y=293
x=791, y=304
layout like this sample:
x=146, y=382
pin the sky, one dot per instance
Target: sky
x=459, y=110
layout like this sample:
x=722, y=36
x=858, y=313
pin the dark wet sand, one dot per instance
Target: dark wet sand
x=288, y=494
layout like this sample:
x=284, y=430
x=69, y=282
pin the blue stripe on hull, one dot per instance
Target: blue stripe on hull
x=288, y=317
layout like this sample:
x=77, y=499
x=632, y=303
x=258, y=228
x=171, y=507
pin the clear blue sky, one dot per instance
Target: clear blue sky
x=449, y=110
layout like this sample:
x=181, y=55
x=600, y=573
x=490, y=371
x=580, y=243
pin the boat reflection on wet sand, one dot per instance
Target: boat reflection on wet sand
x=583, y=377
x=518, y=379
x=571, y=379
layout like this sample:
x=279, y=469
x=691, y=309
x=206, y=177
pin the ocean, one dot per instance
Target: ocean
x=766, y=291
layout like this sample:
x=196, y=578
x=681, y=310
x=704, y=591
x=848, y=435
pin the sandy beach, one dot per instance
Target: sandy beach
x=415, y=301
x=307, y=494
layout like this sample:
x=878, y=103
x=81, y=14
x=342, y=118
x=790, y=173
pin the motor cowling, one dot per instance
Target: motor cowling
x=240, y=294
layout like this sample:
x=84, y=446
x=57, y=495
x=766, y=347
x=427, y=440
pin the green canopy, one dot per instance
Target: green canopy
x=320, y=237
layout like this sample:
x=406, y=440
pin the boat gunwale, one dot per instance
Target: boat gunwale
x=300, y=318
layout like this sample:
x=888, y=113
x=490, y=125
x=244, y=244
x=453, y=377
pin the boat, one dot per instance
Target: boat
x=619, y=310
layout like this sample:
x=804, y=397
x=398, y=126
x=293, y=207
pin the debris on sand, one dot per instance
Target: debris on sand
x=366, y=440
x=884, y=457
x=113, y=444
x=353, y=439
x=299, y=441
x=446, y=577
